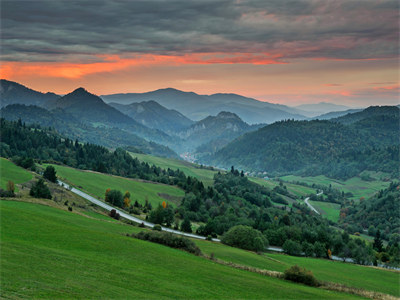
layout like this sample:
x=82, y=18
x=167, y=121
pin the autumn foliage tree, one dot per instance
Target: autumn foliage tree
x=10, y=186
x=127, y=200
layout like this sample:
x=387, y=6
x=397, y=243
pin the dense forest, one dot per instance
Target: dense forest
x=319, y=147
x=69, y=126
x=380, y=212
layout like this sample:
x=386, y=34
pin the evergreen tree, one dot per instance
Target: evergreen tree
x=40, y=190
x=50, y=174
x=378, y=244
x=186, y=226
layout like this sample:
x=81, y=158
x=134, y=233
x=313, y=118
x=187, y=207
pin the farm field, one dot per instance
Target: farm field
x=334, y=271
x=50, y=253
x=358, y=187
x=97, y=183
x=328, y=210
x=9, y=171
x=188, y=168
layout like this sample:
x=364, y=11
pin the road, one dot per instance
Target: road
x=310, y=206
x=125, y=215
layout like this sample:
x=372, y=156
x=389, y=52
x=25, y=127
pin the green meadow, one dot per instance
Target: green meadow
x=328, y=210
x=190, y=169
x=352, y=275
x=358, y=187
x=9, y=171
x=51, y=253
x=296, y=190
x=97, y=183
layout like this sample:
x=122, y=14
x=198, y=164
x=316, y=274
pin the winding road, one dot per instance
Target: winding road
x=125, y=215
x=310, y=206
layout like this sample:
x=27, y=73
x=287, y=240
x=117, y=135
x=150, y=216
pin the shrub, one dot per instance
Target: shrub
x=40, y=190
x=114, y=214
x=245, y=237
x=69, y=208
x=4, y=193
x=169, y=239
x=157, y=227
x=292, y=247
x=141, y=225
x=300, y=275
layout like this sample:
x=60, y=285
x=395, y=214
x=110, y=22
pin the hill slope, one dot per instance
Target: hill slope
x=15, y=93
x=214, y=132
x=68, y=125
x=154, y=115
x=78, y=249
x=316, y=147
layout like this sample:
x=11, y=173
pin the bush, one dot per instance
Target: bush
x=4, y=193
x=292, y=247
x=300, y=275
x=40, y=190
x=114, y=214
x=157, y=227
x=169, y=239
x=245, y=237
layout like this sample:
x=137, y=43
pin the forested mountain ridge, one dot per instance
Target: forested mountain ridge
x=15, y=93
x=214, y=132
x=315, y=148
x=381, y=212
x=66, y=124
x=154, y=115
x=369, y=112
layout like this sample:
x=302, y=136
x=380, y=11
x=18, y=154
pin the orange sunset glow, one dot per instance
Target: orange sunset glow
x=261, y=52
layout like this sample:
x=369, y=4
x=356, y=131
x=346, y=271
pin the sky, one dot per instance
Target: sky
x=281, y=51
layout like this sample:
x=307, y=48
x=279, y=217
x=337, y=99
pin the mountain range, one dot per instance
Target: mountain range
x=197, y=107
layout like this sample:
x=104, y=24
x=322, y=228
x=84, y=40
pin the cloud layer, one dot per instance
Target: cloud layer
x=266, y=31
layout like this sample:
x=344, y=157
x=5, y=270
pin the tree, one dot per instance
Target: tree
x=378, y=244
x=127, y=200
x=291, y=247
x=115, y=198
x=245, y=237
x=186, y=226
x=50, y=174
x=40, y=190
x=10, y=186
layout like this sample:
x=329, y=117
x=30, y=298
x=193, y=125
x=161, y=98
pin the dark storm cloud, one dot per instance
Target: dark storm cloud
x=79, y=30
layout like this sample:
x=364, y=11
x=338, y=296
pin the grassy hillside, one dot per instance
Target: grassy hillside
x=328, y=210
x=97, y=183
x=188, y=168
x=10, y=171
x=358, y=187
x=50, y=253
x=349, y=274
x=295, y=189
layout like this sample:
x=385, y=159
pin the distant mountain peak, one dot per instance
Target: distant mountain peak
x=80, y=91
x=228, y=115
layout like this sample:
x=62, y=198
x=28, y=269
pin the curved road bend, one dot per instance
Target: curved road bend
x=310, y=206
x=125, y=215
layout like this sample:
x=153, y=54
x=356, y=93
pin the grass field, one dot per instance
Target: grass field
x=97, y=183
x=50, y=253
x=358, y=187
x=328, y=210
x=295, y=189
x=349, y=274
x=9, y=171
x=188, y=168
